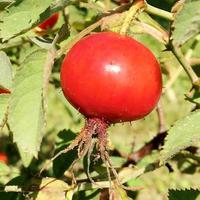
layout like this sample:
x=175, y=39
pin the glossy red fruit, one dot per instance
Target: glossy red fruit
x=50, y=22
x=4, y=91
x=111, y=77
x=3, y=158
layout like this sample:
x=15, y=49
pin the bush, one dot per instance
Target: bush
x=155, y=157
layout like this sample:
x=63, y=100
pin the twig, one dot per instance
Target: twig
x=159, y=12
x=118, y=9
x=135, y=157
x=65, y=16
x=188, y=69
x=172, y=79
x=147, y=148
x=153, y=144
x=159, y=35
x=93, y=6
x=47, y=73
x=77, y=38
x=90, y=28
x=194, y=61
x=161, y=118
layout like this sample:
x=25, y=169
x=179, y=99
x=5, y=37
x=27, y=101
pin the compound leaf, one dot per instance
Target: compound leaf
x=21, y=16
x=26, y=114
x=187, y=22
x=182, y=135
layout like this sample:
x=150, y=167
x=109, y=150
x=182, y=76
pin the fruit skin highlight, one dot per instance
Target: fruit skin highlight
x=111, y=77
x=49, y=23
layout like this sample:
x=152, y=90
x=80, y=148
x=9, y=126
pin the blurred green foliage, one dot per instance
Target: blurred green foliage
x=63, y=122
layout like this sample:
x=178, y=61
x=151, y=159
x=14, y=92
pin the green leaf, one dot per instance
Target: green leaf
x=4, y=169
x=187, y=22
x=25, y=156
x=5, y=3
x=150, y=42
x=184, y=194
x=21, y=17
x=3, y=107
x=26, y=116
x=49, y=188
x=182, y=135
x=5, y=71
x=69, y=195
x=119, y=193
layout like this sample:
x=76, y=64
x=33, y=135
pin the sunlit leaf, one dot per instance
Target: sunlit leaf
x=119, y=193
x=183, y=134
x=21, y=17
x=26, y=118
x=187, y=22
x=3, y=107
x=49, y=188
x=25, y=156
x=5, y=71
x=4, y=169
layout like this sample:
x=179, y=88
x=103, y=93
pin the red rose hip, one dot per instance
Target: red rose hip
x=111, y=77
x=4, y=91
x=50, y=22
x=3, y=158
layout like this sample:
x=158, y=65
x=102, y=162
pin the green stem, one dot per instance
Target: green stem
x=130, y=15
x=159, y=12
x=188, y=69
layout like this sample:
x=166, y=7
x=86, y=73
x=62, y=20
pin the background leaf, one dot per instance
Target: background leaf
x=49, y=188
x=183, y=134
x=25, y=111
x=5, y=71
x=5, y=3
x=19, y=180
x=21, y=16
x=3, y=107
x=119, y=193
x=4, y=169
x=187, y=22
x=184, y=194
x=25, y=156
x=63, y=162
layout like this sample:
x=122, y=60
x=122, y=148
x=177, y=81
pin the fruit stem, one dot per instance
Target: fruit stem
x=159, y=12
x=135, y=8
